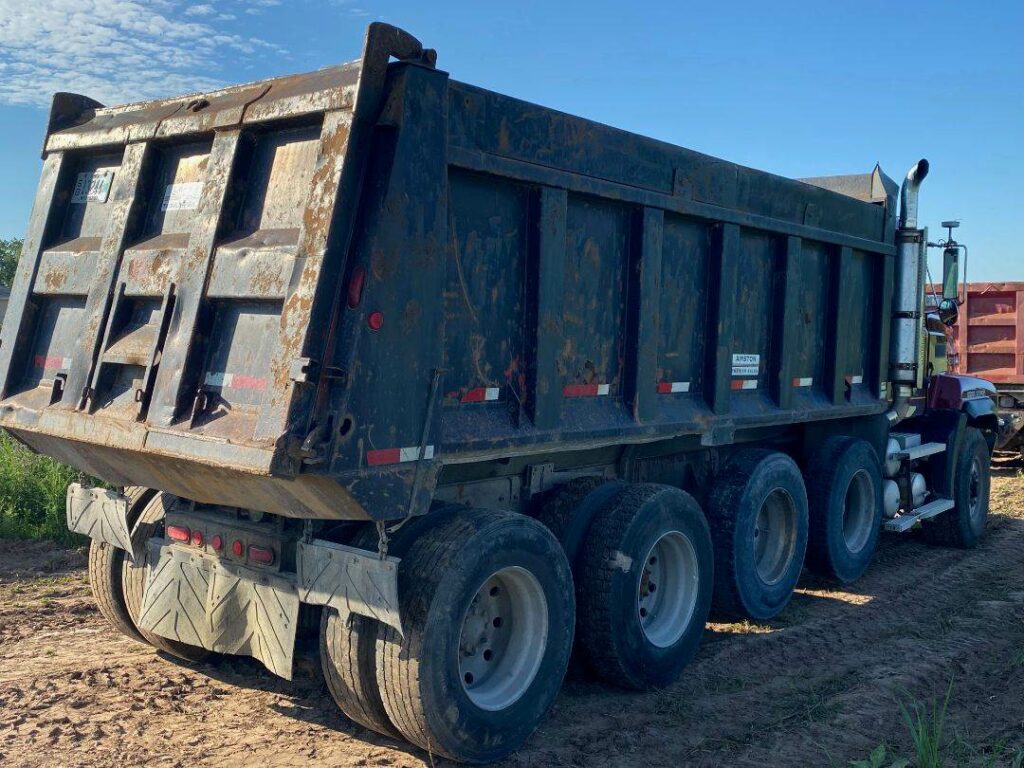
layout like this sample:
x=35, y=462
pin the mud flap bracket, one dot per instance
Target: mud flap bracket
x=221, y=606
x=349, y=580
x=100, y=514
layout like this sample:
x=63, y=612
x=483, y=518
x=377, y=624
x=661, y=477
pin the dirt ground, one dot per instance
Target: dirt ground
x=820, y=686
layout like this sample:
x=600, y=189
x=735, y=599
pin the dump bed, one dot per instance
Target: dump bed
x=988, y=338
x=308, y=295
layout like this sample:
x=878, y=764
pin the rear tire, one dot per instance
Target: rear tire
x=472, y=675
x=644, y=593
x=964, y=525
x=149, y=524
x=844, y=494
x=106, y=566
x=571, y=510
x=349, y=662
x=758, y=516
x=348, y=646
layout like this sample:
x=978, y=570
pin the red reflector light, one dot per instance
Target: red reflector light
x=237, y=548
x=197, y=538
x=178, y=533
x=355, y=287
x=262, y=555
x=217, y=542
x=375, y=320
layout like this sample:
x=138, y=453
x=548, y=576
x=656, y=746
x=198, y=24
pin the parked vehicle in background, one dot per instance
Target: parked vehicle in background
x=463, y=381
x=988, y=342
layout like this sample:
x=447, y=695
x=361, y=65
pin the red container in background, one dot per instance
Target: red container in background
x=988, y=339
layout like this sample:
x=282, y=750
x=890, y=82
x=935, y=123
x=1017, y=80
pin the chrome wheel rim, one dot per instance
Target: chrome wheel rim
x=974, y=491
x=503, y=638
x=775, y=536
x=667, y=593
x=858, y=511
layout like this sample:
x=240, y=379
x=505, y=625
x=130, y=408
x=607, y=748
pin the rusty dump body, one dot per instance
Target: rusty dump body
x=347, y=293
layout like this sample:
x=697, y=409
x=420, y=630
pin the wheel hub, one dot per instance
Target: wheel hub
x=858, y=512
x=503, y=638
x=668, y=588
x=775, y=536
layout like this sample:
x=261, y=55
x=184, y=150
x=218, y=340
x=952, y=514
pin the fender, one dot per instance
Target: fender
x=970, y=395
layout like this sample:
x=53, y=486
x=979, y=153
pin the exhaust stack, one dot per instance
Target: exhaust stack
x=908, y=294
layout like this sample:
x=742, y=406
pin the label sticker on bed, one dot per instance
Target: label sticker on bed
x=746, y=365
x=92, y=187
x=182, y=197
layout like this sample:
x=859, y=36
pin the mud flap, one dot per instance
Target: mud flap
x=220, y=606
x=349, y=580
x=100, y=514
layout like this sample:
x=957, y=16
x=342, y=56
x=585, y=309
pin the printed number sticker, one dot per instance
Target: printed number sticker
x=92, y=187
x=182, y=197
x=746, y=365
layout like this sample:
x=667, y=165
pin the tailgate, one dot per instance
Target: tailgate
x=170, y=296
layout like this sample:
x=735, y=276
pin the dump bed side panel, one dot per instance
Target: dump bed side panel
x=596, y=288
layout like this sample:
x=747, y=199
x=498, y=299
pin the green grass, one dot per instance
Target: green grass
x=926, y=725
x=32, y=490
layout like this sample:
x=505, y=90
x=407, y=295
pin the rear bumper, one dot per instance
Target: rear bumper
x=127, y=459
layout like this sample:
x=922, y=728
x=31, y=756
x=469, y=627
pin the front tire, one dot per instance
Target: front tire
x=964, y=525
x=488, y=614
x=644, y=593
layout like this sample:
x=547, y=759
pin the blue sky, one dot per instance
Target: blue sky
x=797, y=88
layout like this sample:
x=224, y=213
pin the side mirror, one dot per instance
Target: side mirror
x=949, y=311
x=951, y=273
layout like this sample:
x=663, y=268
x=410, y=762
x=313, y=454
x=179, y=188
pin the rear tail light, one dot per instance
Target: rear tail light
x=236, y=548
x=375, y=321
x=197, y=538
x=261, y=555
x=179, y=533
x=217, y=542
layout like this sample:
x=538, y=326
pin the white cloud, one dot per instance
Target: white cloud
x=115, y=51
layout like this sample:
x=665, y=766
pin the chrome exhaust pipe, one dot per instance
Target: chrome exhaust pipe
x=909, y=193
x=908, y=293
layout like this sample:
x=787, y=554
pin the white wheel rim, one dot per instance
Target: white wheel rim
x=503, y=638
x=858, y=511
x=667, y=593
x=775, y=536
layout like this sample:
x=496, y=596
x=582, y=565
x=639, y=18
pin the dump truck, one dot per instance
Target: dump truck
x=463, y=386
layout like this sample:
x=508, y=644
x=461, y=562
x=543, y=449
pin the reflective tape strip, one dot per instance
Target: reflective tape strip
x=804, y=382
x=671, y=387
x=397, y=455
x=744, y=384
x=234, y=380
x=481, y=394
x=52, y=362
x=585, y=390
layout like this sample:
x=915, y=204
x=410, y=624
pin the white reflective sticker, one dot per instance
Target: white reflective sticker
x=746, y=365
x=182, y=197
x=92, y=187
